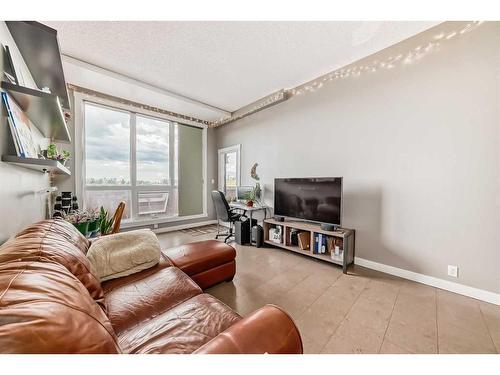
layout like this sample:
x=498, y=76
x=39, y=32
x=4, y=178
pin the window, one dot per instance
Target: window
x=229, y=171
x=153, y=151
x=107, y=146
x=133, y=158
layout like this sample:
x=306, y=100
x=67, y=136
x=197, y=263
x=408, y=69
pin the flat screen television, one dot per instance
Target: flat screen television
x=310, y=199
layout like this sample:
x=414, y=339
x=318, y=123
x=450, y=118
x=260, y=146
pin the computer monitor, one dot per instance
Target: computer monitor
x=242, y=193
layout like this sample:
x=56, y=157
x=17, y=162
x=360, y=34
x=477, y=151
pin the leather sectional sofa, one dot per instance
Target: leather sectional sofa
x=51, y=302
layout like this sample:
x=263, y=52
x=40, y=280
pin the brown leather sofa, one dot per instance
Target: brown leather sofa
x=51, y=302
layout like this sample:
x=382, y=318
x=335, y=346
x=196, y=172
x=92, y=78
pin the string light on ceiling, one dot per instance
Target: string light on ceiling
x=391, y=62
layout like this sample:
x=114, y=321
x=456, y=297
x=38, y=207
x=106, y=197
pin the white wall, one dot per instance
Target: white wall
x=19, y=204
x=418, y=147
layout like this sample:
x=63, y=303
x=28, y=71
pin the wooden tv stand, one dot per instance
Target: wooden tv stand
x=346, y=235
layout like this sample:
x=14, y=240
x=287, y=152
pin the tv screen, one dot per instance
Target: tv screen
x=311, y=199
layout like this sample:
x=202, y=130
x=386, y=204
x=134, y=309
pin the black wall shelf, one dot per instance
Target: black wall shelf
x=39, y=48
x=42, y=108
x=41, y=165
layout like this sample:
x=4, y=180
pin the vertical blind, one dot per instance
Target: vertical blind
x=190, y=170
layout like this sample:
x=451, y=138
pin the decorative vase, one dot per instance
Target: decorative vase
x=250, y=203
x=82, y=227
x=258, y=191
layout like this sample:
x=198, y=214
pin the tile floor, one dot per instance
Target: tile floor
x=363, y=312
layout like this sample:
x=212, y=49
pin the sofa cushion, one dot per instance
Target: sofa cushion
x=152, y=295
x=213, y=276
x=52, y=240
x=45, y=309
x=182, y=329
x=62, y=229
x=112, y=284
x=196, y=257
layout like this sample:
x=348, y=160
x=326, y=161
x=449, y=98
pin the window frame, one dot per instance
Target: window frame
x=79, y=157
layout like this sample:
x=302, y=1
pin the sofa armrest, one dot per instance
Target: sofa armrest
x=267, y=330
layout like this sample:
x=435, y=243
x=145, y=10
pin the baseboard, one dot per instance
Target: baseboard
x=465, y=290
x=184, y=226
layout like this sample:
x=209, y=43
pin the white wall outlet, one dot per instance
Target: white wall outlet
x=155, y=226
x=212, y=181
x=453, y=271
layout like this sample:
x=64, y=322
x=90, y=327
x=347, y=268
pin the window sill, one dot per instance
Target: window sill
x=143, y=222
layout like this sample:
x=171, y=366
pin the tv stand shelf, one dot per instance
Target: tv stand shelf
x=346, y=235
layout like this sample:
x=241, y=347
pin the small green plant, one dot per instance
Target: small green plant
x=52, y=151
x=105, y=223
x=250, y=196
x=54, y=154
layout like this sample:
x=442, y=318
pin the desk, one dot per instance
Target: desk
x=250, y=210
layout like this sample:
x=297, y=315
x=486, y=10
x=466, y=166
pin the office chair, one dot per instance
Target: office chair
x=225, y=214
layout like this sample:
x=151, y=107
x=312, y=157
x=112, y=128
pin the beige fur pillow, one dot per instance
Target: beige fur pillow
x=123, y=254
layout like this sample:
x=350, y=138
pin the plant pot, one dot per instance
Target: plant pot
x=250, y=203
x=82, y=227
x=93, y=226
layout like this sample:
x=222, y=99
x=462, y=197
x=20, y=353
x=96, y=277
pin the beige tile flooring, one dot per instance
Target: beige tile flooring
x=363, y=312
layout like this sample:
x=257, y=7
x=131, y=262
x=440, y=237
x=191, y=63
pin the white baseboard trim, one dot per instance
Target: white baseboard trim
x=184, y=226
x=465, y=290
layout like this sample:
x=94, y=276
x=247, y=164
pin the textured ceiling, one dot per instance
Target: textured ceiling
x=227, y=64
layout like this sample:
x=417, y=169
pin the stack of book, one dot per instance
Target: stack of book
x=324, y=244
x=320, y=243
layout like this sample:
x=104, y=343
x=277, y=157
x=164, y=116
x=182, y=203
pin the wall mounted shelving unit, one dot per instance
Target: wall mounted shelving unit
x=43, y=109
x=42, y=165
x=39, y=48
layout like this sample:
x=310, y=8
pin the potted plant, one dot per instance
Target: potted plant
x=250, y=197
x=94, y=219
x=105, y=223
x=79, y=220
x=53, y=153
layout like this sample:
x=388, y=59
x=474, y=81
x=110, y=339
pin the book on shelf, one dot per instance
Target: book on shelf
x=15, y=138
x=22, y=126
x=330, y=244
x=320, y=243
x=9, y=68
x=304, y=240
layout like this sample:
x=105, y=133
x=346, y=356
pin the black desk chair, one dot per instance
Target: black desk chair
x=225, y=214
